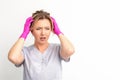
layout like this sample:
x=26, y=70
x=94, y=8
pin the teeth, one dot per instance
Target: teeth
x=42, y=38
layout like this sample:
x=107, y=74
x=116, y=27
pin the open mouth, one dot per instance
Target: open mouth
x=42, y=38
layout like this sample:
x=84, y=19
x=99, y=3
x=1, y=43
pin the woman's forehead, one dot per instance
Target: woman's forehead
x=42, y=22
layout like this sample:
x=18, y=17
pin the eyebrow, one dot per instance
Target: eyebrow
x=43, y=27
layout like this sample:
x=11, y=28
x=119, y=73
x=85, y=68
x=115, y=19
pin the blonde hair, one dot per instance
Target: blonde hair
x=40, y=14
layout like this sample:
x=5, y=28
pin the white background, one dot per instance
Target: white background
x=93, y=26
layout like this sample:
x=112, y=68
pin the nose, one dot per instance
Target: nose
x=43, y=32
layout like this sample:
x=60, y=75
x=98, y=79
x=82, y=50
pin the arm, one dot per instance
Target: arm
x=15, y=53
x=67, y=48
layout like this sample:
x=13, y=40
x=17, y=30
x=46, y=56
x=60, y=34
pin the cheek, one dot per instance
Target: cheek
x=48, y=33
x=35, y=34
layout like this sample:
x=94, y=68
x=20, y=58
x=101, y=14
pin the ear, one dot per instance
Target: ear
x=32, y=33
x=31, y=30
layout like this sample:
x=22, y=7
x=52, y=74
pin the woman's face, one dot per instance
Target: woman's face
x=41, y=30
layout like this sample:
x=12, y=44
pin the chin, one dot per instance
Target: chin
x=42, y=42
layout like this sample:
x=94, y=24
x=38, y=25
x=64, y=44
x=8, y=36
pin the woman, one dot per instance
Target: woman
x=41, y=60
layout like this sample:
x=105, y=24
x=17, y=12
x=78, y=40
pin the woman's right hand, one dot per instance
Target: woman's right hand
x=27, y=25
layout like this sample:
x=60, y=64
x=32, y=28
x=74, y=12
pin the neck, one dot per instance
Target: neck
x=41, y=47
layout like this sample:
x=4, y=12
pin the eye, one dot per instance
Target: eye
x=38, y=28
x=47, y=28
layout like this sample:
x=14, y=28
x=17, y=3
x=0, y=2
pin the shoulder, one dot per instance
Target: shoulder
x=54, y=45
x=28, y=48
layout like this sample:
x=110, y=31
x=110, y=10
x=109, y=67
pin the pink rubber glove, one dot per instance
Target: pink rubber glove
x=56, y=28
x=26, y=27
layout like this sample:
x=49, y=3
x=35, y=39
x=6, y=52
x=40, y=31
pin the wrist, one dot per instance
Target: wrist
x=24, y=36
x=60, y=34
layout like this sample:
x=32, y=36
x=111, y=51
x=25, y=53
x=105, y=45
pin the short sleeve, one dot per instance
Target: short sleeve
x=23, y=53
x=66, y=60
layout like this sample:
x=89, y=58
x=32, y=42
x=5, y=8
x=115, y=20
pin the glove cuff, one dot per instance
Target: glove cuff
x=23, y=35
